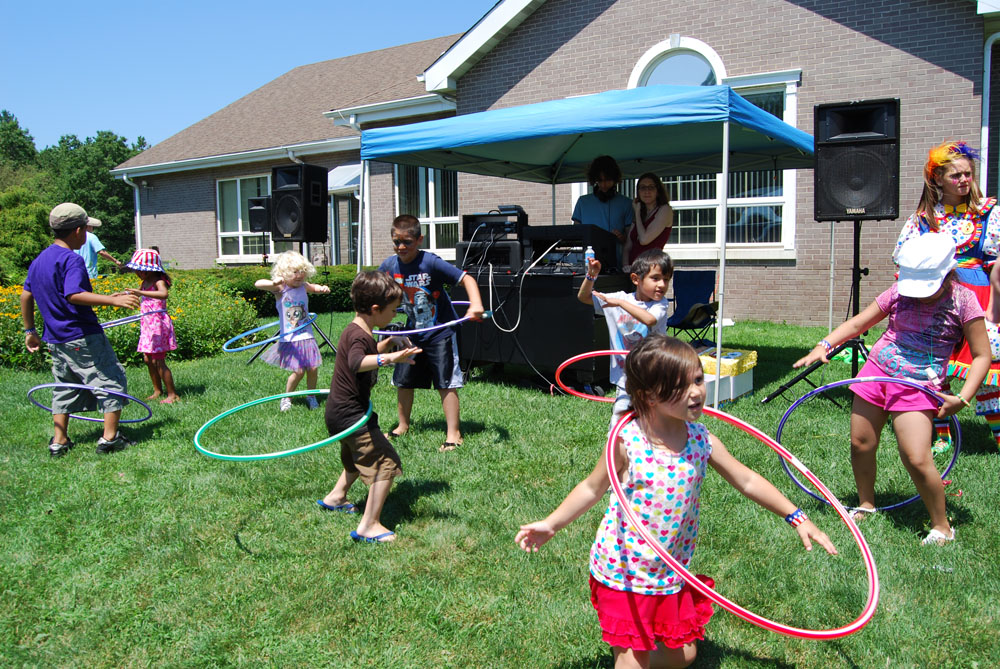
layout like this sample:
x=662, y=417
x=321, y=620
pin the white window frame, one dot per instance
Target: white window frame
x=432, y=221
x=244, y=225
x=786, y=81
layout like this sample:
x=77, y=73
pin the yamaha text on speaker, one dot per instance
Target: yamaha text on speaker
x=299, y=203
x=260, y=214
x=856, y=177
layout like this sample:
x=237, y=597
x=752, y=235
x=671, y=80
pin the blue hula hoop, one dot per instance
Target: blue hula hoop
x=403, y=333
x=225, y=347
x=149, y=412
x=956, y=431
x=130, y=319
x=277, y=454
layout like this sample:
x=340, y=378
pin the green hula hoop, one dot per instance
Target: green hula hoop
x=278, y=454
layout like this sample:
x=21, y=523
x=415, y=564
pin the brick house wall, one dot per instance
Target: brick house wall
x=179, y=209
x=846, y=51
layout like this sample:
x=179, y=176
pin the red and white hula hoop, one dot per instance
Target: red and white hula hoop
x=733, y=607
x=577, y=358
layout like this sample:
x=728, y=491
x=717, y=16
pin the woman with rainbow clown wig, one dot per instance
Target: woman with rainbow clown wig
x=952, y=203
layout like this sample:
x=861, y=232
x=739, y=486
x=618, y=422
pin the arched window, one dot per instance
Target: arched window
x=680, y=66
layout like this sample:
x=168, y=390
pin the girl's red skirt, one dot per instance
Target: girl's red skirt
x=631, y=620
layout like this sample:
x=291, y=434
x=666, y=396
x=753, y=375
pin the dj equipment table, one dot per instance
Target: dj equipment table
x=554, y=324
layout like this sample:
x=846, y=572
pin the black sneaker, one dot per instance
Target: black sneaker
x=119, y=443
x=59, y=450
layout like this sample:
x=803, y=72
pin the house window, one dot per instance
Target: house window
x=236, y=242
x=681, y=67
x=432, y=196
x=756, y=200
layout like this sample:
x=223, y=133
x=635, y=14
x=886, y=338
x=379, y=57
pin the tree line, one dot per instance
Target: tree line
x=74, y=170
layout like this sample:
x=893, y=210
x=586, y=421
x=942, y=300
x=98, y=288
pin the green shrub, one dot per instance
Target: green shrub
x=205, y=316
x=24, y=233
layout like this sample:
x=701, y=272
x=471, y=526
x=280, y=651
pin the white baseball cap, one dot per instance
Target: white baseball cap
x=924, y=262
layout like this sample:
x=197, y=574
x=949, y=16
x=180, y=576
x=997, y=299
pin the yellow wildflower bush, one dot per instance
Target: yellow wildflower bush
x=204, y=314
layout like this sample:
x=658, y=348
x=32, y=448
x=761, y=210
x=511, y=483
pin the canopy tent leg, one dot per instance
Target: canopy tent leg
x=721, y=292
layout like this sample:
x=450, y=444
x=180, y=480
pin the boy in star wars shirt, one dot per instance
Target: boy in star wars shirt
x=423, y=276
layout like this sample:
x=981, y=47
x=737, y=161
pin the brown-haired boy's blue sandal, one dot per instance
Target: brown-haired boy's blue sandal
x=377, y=539
x=346, y=507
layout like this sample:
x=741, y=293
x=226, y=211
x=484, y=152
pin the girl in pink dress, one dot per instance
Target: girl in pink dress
x=156, y=330
x=646, y=611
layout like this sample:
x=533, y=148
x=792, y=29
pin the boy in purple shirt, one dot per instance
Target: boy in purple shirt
x=81, y=354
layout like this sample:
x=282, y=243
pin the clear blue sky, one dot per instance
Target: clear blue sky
x=153, y=69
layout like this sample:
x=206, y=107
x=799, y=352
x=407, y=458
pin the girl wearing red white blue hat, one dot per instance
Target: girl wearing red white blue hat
x=156, y=333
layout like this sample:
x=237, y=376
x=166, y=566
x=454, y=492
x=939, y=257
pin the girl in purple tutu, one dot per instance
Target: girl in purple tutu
x=296, y=349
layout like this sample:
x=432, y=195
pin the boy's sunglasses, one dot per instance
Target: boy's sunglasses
x=404, y=242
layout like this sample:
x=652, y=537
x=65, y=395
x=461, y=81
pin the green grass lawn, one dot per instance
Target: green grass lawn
x=161, y=556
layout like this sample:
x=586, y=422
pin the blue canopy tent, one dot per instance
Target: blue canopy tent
x=669, y=130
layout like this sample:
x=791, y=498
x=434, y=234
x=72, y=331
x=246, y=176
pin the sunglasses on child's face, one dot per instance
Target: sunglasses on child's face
x=403, y=242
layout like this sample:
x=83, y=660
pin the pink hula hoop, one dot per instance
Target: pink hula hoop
x=733, y=607
x=577, y=358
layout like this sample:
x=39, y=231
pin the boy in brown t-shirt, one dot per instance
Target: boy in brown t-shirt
x=366, y=454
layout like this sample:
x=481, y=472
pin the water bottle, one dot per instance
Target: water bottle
x=588, y=255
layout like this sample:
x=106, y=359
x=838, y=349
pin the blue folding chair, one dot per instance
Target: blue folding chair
x=694, y=310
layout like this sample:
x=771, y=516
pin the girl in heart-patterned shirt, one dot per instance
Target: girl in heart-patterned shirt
x=644, y=608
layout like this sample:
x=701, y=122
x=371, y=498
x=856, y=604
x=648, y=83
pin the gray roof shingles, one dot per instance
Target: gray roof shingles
x=289, y=110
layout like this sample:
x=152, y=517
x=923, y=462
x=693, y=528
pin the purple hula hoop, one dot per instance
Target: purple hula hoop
x=956, y=430
x=403, y=333
x=92, y=389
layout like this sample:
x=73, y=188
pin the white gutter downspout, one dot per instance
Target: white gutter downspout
x=984, y=135
x=303, y=246
x=138, y=211
x=362, y=249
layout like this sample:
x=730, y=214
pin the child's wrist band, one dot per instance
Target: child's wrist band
x=591, y=278
x=825, y=344
x=34, y=331
x=796, y=518
x=378, y=359
x=965, y=401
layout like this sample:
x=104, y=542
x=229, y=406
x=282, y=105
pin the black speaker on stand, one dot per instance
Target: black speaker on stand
x=299, y=203
x=856, y=178
x=259, y=214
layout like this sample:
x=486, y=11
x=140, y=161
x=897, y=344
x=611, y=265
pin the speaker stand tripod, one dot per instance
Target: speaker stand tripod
x=856, y=344
x=326, y=340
